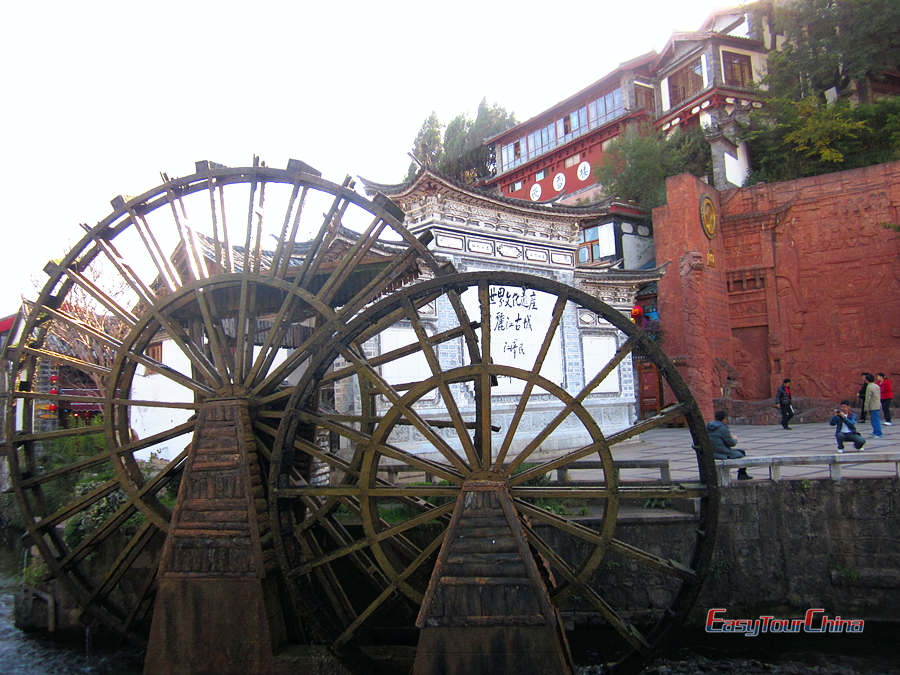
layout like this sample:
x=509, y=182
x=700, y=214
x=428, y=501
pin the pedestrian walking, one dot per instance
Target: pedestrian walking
x=783, y=400
x=845, y=421
x=873, y=405
x=862, y=397
x=887, y=398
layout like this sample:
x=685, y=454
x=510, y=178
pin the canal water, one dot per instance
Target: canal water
x=30, y=654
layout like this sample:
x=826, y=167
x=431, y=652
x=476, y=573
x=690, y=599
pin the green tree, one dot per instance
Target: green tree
x=462, y=154
x=834, y=43
x=466, y=157
x=427, y=148
x=637, y=163
x=793, y=139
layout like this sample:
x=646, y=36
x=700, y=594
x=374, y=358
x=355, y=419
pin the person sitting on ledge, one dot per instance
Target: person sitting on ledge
x=723, y=442
x=845, y=421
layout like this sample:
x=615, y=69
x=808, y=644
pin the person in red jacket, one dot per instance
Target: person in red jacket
x=887, y=397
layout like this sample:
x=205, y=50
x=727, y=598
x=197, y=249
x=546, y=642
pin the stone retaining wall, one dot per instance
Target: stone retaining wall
x=792, y=545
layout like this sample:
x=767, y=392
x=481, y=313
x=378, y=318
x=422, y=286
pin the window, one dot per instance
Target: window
x=644, y=98
x=540, y=175
x=597, y=243
x=607, y=107
x=686, y=82
x=512, y=155
x=738, y=71
x=154, y=351
x=515, y=187
x=541, y=140
x=573, y=160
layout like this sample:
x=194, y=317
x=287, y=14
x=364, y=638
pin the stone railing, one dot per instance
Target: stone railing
x=834, y=462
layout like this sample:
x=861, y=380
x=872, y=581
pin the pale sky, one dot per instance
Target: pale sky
x=99, y=97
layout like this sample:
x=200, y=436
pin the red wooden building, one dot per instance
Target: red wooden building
x=707, y=78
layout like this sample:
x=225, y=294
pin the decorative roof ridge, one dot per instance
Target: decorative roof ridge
x=616, y=274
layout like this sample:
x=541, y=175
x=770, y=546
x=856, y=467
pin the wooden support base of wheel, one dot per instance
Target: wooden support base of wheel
x=215, y=610
x=487, y=609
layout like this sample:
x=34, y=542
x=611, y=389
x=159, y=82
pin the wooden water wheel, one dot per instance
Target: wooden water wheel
x=183, y=296
x=477, y=537
x=247, y=374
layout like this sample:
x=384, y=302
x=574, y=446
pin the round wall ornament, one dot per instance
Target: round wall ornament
x=709, y=216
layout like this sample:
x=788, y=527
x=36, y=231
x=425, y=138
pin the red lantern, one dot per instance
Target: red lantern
x=52, y=407
x=637, y=312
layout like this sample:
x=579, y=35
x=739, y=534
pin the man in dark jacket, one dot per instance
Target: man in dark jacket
x=862, y=397
x=783, y=400
x=723, y=442
x=845, y=421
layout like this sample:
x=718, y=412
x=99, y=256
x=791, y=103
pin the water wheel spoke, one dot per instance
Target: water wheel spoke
x=281, y=258
x=253, y=232
x=398, y=353
x=59, y=433
x=361, y=438
x=628, y=492
x=311, y=449
x=144, y=292
x=390, y=393
x=267, y=380
x=378, y=491
x=446, y=395
x=102, y=297
x=195, y=265
x=169, y=372
x=395, y=584
x=159, y=437
x=274, y=336
x=69, y=510
x=329, y=581
x=365, y=542
x=351, y=259
x=215, y=335
x=166, y=270
x=74, y=467
x=66, y=360
x=76, y=324
x=110, y=525
x=126, y=557
x=561, y=523
x=313, y=259
x=667, y=566
x=143, y=601
x=665, y=416
x=164, y=475
x=483, y=385
x=385, y=278
x=555, y=318
x=217, y=217
x=577, y=581
x=624, y=350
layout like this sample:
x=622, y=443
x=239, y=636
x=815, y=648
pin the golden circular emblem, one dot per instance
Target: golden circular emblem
x=709, y=218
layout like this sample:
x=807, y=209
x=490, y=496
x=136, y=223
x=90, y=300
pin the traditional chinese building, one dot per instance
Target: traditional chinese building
x=707, y=78
x=605, y=249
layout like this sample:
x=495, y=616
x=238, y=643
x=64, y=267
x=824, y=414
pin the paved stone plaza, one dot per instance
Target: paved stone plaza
x=767, y=440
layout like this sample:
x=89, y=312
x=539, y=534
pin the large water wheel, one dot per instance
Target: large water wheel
x=477, y=537
x=272, y=416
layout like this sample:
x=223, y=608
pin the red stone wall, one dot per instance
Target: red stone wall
x=801, y=280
